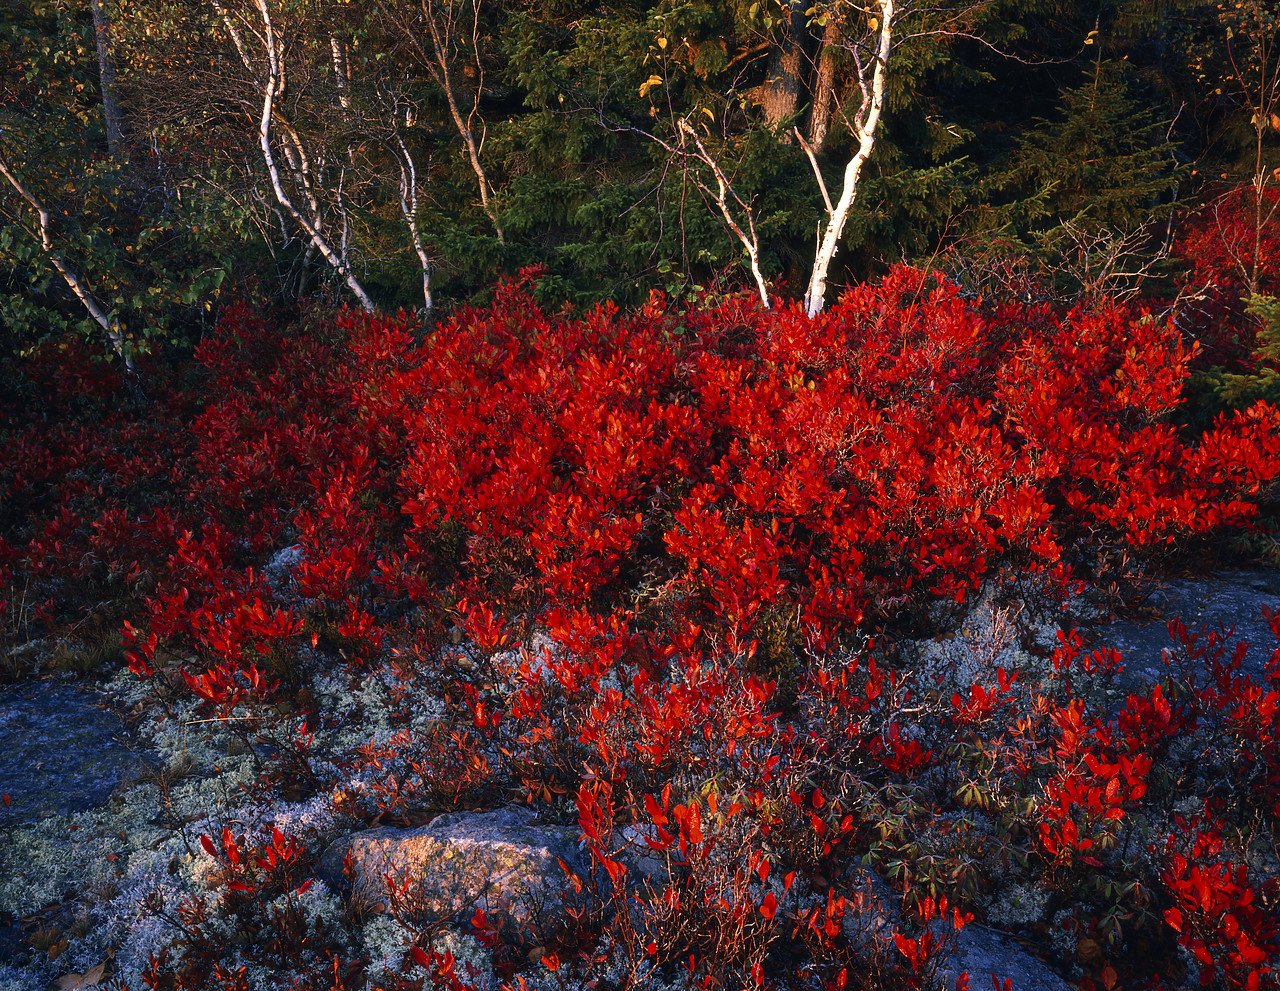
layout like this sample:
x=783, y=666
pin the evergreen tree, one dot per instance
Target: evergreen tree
x=1103, y=161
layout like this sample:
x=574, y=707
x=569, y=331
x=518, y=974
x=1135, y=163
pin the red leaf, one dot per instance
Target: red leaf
x=656, y=814
x=229, y=844
x=907, y=947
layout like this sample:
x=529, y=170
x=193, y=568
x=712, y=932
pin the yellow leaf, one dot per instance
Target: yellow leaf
x=662, y=43
x=649, y=84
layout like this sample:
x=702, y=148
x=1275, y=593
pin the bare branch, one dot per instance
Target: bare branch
x=817, y=172
x=69, y=275
x=442, y=28
x=233, y=30
x=724, y=191
x=270, y=89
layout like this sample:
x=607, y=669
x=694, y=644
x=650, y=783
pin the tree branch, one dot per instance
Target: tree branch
x=264, y=141
x=69, y=275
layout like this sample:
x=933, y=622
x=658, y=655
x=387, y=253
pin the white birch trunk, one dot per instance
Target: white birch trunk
x=274, y=75
x=409, y=208
x=70, y=276
x=864, y=124
x=340, y=72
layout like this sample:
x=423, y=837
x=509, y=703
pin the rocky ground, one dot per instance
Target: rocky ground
x=113, y=785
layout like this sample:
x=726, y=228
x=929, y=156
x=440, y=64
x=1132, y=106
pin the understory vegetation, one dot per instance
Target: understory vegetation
x=793, y=612
x=793, y=607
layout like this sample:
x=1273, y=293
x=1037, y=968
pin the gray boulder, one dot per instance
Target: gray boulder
x=984, y=953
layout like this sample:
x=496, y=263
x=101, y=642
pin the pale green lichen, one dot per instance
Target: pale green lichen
x=472, y=962
x=385, y=941
x=204, y=784
x=318, y=904
x=1018, y=905
x=34, y=975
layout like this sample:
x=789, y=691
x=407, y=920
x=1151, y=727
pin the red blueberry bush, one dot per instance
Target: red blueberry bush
x=1233, y=246
x=726, y=521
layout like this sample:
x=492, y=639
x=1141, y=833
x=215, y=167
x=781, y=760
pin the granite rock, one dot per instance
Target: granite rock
x=61, y=750
x=984, y=953
x=1233, y=599
x=503, y=861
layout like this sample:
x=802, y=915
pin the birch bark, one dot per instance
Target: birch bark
x=865, y=121
x=70, y=275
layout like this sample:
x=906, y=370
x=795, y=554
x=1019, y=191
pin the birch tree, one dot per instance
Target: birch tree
x=322, y=118
x=265, y=63
x=69, y=272
x=407, y=187
x=439, y=39
x=865, y=34
x=848, y=48
x=72, y=225
x=870, y=53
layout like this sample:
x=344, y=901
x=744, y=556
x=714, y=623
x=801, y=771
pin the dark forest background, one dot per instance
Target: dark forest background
x=1032, y=149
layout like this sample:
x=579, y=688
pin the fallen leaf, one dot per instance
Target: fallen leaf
x=75, y=982
x=1089, y=951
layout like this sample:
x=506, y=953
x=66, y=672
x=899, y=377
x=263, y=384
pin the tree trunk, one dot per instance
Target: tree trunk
x=111, y=116
x=779, y=97
x=824, y=83
x=864, y=123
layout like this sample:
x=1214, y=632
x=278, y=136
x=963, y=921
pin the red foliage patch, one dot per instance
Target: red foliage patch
x=662, y=492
